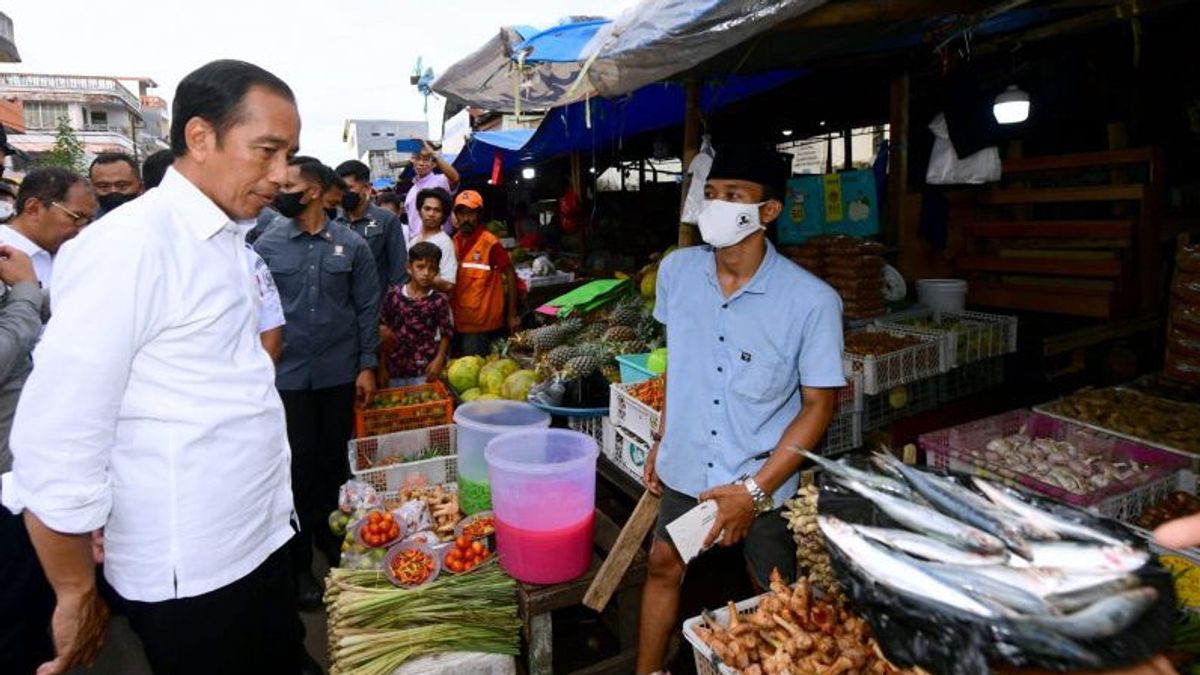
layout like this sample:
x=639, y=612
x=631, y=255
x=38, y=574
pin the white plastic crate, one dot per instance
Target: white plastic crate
x=969, y=336
x=626, y=451
x=917, y=362
x=365, y=455
x=707, y=662
x=590, y=426
x=903, y=400
x=630, y=414
x=845, y=433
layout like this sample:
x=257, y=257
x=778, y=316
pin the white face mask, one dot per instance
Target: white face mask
x=723, y=224
x=6, y=211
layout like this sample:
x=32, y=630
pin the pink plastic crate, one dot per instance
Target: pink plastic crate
x=960, y=449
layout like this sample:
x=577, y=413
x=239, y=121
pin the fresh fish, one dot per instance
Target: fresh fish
x=891, y=571
x=927, y=547
x=1075, y=600
x=1006, y=517
x=867, y=478
x=1009, y=500
x=927, y=520
x=1103, y=619
x=1033, y=640
x=948, y=503
x=1085, y=558
x=1011, y=596
x=1048, y=582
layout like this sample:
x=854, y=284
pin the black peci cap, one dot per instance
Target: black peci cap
x=760, y=164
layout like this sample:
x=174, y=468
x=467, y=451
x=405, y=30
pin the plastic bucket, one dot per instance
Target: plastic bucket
x=544, y=500
x=479, y=422
x=942, y=295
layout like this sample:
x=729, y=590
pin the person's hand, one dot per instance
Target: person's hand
x=650, y=474
x=364, y=387
x=78, y=625
x=15, y=266
x=735, y=514
x=98, y=546
x=429, y=150
x=434, y=370
x=514, y=323
x=387, y=339
x=1179, y=533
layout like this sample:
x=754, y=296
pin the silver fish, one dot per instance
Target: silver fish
x=1047, y=582
x=1102, y=619
x=891, y=571
x=927, y=520
x=1009, y=500
x=1084, y=558
x=1008, y=595
x=927, y=547
x=1008, y=518
x=1074, y=600
x=873, y=480
x=948, y=503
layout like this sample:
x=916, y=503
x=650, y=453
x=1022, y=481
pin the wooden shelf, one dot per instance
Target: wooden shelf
x=1046, y=266
x=1052, y=229
x=1042, y=298
x=1080, y=160
x=1062, y=195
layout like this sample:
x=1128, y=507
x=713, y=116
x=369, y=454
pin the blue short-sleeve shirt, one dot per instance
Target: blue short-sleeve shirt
x=736, y=364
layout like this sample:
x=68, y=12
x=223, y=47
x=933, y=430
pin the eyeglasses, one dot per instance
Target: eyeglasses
x=80, y=219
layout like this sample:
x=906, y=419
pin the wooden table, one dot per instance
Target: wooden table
x=536, y=603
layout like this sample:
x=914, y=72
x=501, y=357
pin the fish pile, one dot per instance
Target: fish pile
x=1058, y=463
x=994, y=557
x=792, y=631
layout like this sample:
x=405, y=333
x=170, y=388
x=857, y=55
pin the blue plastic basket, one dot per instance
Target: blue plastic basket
x=633, y=368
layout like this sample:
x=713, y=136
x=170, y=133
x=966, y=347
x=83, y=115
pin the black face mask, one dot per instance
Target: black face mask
x=350, y=201
x=331, y=213
x=288, y=204
x=112, y=200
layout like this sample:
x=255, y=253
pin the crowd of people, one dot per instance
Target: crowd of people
x=252, y=297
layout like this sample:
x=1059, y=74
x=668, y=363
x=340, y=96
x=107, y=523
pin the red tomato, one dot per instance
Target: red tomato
x=477, y=547
x=462, y=542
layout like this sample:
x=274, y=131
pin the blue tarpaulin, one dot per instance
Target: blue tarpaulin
x=566, y=129
x=560, y=44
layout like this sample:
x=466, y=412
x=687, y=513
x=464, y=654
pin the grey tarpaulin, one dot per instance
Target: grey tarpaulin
x=649, y=42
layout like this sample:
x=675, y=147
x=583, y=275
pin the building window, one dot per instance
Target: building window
x=374, y=133
x=99, y=120
x=44, y=114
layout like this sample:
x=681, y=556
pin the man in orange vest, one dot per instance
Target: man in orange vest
x=485, y=281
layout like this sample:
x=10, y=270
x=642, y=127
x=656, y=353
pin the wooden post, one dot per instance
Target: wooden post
x=898, y=160
x=629, y=541
x=691, y=146
x=848, y=149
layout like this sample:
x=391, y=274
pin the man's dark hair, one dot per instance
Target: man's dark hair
x=339, y=183
x=425, y=250
x=352, y=168
x=155, y=168
x=112, y=158
x=437, y=193
x=214, y=92
x=47, y=186
x=390, y=197
x=312, y=169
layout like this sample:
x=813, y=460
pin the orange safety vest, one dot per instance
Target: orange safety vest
x=479, y=290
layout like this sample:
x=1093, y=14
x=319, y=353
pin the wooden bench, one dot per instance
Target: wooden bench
x=536, y=603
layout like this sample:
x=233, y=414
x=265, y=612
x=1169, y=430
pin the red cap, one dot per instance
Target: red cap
x=470, y=199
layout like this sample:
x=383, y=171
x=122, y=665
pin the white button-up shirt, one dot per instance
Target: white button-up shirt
x=152, y=408
x=43, y=262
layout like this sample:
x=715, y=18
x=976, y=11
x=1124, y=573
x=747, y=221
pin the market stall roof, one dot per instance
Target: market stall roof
x=518, y=70
x=574, y=127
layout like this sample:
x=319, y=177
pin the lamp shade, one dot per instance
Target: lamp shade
x=1011, y=106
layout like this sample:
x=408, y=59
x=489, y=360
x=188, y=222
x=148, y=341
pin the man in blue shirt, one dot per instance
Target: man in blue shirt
x=752, y=381
x=326, y=279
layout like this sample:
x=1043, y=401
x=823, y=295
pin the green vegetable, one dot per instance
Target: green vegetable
x=473, y=496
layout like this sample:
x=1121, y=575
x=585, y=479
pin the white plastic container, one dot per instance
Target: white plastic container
x=947, y=295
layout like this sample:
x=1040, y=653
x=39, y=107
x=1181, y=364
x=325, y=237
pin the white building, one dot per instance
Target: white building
x=106, y=113
x=373, y=142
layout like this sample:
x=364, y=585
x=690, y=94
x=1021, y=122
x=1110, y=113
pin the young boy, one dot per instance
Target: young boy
x=420, y=318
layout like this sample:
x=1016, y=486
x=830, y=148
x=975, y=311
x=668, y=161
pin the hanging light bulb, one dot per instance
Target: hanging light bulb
x=787, y=132
x=1011, y=106
x=528, y=173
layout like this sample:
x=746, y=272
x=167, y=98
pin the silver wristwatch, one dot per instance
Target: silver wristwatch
x=763, y=502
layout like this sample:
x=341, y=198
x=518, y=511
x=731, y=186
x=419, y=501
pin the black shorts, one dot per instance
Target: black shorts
x=769, y=544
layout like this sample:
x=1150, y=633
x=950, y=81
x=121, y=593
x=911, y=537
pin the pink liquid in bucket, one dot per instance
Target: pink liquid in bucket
x=545, y=556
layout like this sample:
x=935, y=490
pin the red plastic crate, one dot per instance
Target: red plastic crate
x=379, y=421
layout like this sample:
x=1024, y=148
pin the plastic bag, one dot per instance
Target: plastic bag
x=947, y=168
x=356, y=495
x=698, y=171
x=913, y=630
x=414, y=516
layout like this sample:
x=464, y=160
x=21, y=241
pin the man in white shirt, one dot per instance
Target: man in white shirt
x=53, y=205
x=152, y=409
x=433, y=204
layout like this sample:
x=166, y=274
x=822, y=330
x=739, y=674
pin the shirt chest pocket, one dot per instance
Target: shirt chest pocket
x=287, y=278
x=335, y=277
x=761, y=380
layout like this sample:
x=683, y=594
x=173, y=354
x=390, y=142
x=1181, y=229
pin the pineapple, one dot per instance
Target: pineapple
x=619, y=333
x=500, y=348
x=558, y=357
x=625, y=315
x=549, y=337
x=590, y=359
x=611, y=373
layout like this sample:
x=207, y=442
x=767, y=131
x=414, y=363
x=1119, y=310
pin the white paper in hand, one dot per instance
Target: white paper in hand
x=689, y=530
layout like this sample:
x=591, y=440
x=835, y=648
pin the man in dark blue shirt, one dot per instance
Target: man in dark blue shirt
x=379, y=226
x=327, y=281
